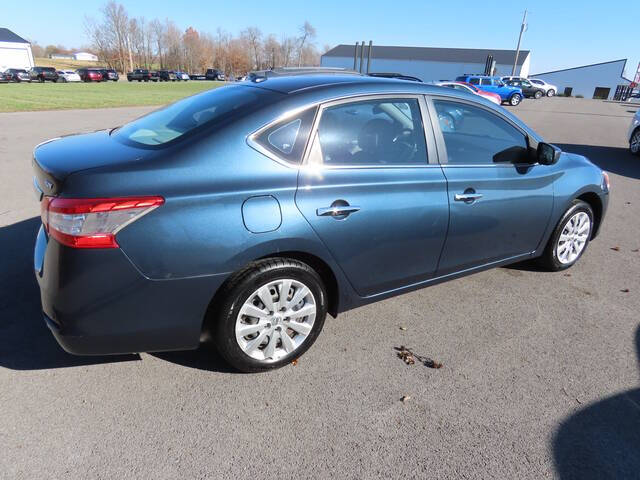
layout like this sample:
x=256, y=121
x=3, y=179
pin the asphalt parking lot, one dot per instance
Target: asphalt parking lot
x=540, y=376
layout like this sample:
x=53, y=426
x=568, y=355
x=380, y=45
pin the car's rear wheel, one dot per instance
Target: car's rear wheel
x=538, y=94
x=551, y=92
x=269, y=314
x=515, y=99
x=570, y=237
x=634, y=144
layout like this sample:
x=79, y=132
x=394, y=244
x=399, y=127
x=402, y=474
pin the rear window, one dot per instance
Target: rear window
x=188, y=115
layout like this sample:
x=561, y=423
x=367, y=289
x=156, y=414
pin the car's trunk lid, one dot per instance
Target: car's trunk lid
x=56, y=159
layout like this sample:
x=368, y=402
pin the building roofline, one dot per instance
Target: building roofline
x=8, y=36
x=584, y=66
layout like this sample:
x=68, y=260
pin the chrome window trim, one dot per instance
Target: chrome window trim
x=440, y=138
x=428, y=134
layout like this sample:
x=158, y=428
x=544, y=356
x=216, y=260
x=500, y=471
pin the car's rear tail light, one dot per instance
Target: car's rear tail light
x=93, y=222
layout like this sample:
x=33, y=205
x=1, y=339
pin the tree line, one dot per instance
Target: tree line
x=124, y=43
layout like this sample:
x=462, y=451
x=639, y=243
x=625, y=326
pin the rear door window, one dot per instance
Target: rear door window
x=380, y=132
x=474, y=81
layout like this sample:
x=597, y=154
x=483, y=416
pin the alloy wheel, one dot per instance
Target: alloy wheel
x=515, y=100
x=573, y=238
x=276, y=319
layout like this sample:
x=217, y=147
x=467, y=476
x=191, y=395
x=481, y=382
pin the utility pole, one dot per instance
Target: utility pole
x=523, y=29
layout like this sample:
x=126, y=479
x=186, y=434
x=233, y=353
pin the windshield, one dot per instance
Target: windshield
x=172, y=122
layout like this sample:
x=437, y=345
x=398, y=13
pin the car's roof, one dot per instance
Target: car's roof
x=298, y=83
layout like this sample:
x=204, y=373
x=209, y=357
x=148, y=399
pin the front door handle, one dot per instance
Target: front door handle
x=466, y=197
x=469, y=196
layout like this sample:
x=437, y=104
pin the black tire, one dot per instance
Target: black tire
x=549, y=259
x=515, y=99
x=634, y=142
x=551, y=92
x=221, y=319
x=538, y=94
x=41, y=79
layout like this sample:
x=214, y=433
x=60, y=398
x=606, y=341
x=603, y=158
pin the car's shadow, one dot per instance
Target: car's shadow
x=25, y=341
x=615, y=160
x=601, y=441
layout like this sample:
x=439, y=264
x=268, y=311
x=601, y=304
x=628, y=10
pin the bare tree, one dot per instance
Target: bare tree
x=253, y=37
x=122, y=42
x=307, y=33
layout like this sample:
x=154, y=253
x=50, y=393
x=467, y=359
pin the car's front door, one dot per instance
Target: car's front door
x=373, y=191
x=500, y=203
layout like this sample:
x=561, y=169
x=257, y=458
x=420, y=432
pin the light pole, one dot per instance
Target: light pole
x=523, y=28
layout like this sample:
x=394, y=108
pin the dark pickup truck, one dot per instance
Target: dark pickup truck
x=142, y=75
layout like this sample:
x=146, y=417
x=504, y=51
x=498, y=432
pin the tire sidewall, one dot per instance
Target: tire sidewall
x=634, y=134
x=513, y=97
x=224, y=325
x=578, y=206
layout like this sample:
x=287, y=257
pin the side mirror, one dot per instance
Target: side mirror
x=548, y=154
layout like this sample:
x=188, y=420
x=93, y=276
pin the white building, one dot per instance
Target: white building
x=85, y=56
x=15, y=51
x=598, y=80
x=426, y=63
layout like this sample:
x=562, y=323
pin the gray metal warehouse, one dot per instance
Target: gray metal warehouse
x=428, y=63
x=598, y=80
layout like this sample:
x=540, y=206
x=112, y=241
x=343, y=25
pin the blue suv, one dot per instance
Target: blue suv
x=512, y=95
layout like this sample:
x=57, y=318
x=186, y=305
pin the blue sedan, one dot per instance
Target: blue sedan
x=246, y=213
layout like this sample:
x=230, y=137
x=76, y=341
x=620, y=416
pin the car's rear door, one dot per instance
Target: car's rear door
x=373, y=191
x=500, y=203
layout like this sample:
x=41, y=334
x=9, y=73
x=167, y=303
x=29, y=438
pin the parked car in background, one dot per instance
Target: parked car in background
x=255, y=257
x=197, y=76
x=549, y=89
x=5, y=77
x=467, y=87
x=89, y=74
x=182, y=76
x=17, y=75
x=43, y=74
x=214, y=74
x=65, y=76
x=167, y=76
x=634, y=134
x=109, y=74
x=140, y=74
x=511, y=95
x=528, y=89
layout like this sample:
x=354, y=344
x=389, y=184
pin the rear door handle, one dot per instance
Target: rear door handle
x=336, y=211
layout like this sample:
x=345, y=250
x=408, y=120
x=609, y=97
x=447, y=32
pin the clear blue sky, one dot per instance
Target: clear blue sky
x=561, y=33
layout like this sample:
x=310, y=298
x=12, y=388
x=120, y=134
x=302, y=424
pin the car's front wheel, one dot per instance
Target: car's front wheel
x=634, y=144
x=551, y=92
x=515, y=99
x=269, y=314
x=570, y=237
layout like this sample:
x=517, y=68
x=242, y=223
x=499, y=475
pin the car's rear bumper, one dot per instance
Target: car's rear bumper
x=96, y=302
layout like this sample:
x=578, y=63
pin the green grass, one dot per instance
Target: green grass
x=24, y=97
